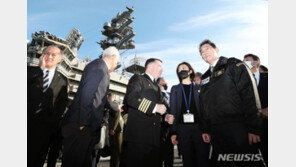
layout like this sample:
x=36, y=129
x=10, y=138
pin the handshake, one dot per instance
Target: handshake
x=161, y=109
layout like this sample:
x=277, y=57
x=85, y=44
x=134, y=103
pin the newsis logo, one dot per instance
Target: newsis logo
x=239, y=157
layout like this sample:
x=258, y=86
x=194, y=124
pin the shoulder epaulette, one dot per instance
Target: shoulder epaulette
x=239, y=64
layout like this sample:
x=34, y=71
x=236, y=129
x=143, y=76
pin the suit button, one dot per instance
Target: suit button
x=154, y=123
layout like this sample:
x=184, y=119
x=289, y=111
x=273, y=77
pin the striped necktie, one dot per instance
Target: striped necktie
x=212, y=68
x=45, y=81
x=45, y=85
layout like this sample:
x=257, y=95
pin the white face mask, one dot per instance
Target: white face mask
x=249, y=64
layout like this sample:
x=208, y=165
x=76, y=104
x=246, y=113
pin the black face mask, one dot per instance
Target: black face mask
x=183, y=74
x=165, y=86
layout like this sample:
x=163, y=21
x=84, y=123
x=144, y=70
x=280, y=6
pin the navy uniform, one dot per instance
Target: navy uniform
x=143, y=128
x=230, y=108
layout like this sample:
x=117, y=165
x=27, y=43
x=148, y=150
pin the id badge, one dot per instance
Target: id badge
x=205, y=81
x=188, y=118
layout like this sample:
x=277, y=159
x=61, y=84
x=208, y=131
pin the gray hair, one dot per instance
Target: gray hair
x=110, y=51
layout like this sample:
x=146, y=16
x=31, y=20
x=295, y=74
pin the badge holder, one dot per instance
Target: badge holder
x=188, y=117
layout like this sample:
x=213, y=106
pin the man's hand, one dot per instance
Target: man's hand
x=206, y=138
x=169, y=118
x=42, y=62
x=174, y=139
x=253, y=138
x=265, y=112
x=160, y=108
x=112, y=132
x=81, y=127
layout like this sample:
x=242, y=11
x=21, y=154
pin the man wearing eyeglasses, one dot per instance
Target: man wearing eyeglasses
x=47, y=99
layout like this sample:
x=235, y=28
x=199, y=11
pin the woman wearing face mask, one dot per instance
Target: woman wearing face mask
x=184, y=103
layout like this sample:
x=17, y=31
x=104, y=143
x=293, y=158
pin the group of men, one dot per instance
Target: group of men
x=231, y=99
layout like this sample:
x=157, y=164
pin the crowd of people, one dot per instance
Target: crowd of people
x=218, y=118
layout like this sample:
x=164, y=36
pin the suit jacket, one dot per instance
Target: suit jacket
x=53, y=101
x=87, y=108
x=263, y=90
x=176, y=103
x=165, y=127
x=142, y=125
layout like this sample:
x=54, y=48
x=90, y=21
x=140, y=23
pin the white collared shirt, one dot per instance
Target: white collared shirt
x=257, y=76
x=166, y=93
x=150, y=77
x=214, y=64
x=107, y=65
x=50, y=74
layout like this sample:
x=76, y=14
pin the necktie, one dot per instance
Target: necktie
x=45, y=81
x=255, y=79
x=45, y=85
x=212, y=68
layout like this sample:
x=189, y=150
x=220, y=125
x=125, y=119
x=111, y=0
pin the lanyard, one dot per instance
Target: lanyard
x=187, y=106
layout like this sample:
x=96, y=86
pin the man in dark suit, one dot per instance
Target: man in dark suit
x=253, y=62
x=166, y=146
x=82, y=123
x=47, y=99
x=144, y=102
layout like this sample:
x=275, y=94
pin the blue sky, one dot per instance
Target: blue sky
x=169, y=30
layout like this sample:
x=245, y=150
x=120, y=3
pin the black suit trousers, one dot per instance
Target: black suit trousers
x=167, y=152
x=55, y=146
x=37, y=142
x=78, y=145
x=194, y=151
x=142, y=155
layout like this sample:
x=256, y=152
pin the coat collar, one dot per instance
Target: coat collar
x=221, y=62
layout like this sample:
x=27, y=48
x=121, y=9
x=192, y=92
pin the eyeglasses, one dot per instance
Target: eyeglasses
x=53, y=55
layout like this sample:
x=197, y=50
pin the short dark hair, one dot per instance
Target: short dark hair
x=199, y=74
x=206, y=41
x=254, y=57
x=190, y=68
x=158, y=80
x=263, y=68
x=150, y=61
